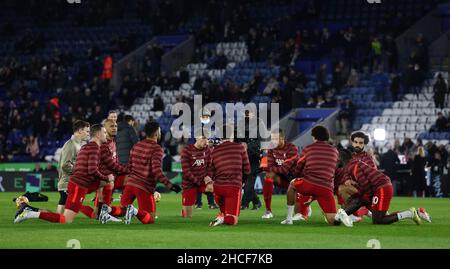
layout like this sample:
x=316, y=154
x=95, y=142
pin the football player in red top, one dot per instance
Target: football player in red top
x=85, y=179
x=145, y=170
x=194, y=164
x=317, y=166
x=278, y=171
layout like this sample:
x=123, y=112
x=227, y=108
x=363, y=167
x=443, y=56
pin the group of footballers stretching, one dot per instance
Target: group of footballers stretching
x=318, y=173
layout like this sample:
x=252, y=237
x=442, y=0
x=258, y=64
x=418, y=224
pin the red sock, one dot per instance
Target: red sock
x=145, y=217
x=361, y=212
x=267, y=192
x=107, y=194
x=96, y=199
x=304, y=204
x=88, y=211
x=230, y=220
x=117, y=211
x=52, y=217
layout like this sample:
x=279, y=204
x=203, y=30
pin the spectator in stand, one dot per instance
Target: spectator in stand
x=345, y=116
x=126, y=138
x=33, y=148
x=391, y=54
x=440, y=90
x=390, y=162
x=320, y=101
x=97, y=116
x=446, y=181
x=50, y=167
x=353, y=79
x=37, y=167
x=376, y=52
x=126, y=97
x=417, y=79
x=158, y=104
x=418, y=173
x=220, y=61
x=407, y=147
x=338, y=78
x=321, y=79
x=329, y=100
x=395, y=87
x=311, y=103
x=441, y=124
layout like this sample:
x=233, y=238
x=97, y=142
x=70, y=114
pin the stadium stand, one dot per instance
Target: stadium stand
x=270, y=50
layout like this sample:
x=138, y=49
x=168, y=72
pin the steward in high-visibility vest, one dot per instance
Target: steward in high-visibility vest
x=107, y=68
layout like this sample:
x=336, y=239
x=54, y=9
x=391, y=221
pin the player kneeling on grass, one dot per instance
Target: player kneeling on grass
x=229, y=162
x=145, y=169
x=108, y=165
x=359, y=140
x=278, y=170
x=85, y=179
x=317, y=165
x=375, y=191
x=194, y=163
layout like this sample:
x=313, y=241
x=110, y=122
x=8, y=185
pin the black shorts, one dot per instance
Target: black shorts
x=62, y=197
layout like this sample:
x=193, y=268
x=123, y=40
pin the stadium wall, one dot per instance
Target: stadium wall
x=48, y=181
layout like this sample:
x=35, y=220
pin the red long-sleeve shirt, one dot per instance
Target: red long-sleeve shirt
x=343, y=174
x=194, y=165
x=317, y=164
x=340, y=177
x=109, y=163
x=362, y=156
x=281, y=160
x=87, y=166
x=229, y=161
x=369, y=179
x=145, y=166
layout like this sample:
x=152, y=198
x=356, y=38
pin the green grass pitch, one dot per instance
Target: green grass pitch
x=172, y=231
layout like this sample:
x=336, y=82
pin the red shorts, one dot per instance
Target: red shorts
x=284, y=181
x=323, y=195
x=382, y=198
x=190, y=195
x=76, y=196
x=146, y=201
x=229, y=200
x=118, y=182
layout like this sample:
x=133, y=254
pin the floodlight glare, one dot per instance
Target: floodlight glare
x=379, y=134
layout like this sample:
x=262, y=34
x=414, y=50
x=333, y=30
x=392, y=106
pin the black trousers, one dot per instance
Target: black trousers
x=210, y=197
x=249, y=192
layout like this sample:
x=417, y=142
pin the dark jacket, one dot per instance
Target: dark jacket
x=125, y=140
x=390, y=163
x=418, y=173
x=253, y=145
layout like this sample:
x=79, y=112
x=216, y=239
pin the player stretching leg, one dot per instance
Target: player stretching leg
x=279, y=163
x=194, y=163
x=229, y=162
x=145, y=170
x=84, y=179
x=375, y=189
x=359, y=140
x=317, y=164
x=66, y=163
x=109, y=165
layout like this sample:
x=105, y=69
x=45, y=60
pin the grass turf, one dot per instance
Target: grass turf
x=172, y=231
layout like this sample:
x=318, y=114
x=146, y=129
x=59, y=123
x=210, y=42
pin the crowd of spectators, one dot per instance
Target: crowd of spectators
x=421, y=169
